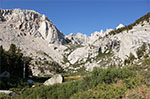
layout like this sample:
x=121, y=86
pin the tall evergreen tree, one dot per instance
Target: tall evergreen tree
x=14, y=62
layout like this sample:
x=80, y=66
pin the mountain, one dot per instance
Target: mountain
x=114, y=47
x=29, y=22
x=50, y=50
x=33, y=33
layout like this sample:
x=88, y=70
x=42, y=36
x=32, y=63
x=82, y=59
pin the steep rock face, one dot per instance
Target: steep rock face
x=29, y=22
x=82, y=54
x=129, y=41
x=134, y=39
x=34, y=34
x=98, y=35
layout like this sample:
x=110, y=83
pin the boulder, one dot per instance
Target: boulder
x=7, y=92
x=5, y=74
x=54, y=80
x=30, y=81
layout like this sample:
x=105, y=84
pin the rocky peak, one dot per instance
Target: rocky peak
x=29, y=22
x=119, y=26
x=78, y=38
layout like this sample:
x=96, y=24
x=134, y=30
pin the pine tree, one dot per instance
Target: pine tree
x=14, y=62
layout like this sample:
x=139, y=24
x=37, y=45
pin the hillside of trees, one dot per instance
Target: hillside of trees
x=14, y=62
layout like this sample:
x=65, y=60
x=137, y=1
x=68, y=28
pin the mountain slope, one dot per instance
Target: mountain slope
x=29, y=22
x=33, y=33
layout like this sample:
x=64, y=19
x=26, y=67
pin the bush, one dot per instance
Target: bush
x=141, y=50
x=109, y=75
x=132, y=82
x=134, y=96
x=130, y=59
x=84, y=95
x=146, y=62
x=57, y=91
x=7, y=83
x=4, y=96
x=110, y=92
x=102, y=91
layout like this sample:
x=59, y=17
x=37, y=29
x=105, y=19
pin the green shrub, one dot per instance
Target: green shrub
x=57, y=91
x=133, y=67
x=146, y=62
x=84, y=95
x=108, y=75
x=134, y=96
x=4, y=96
x=130, y=59
x=110, y=92
x=13, y=83
x=146, y=55
x=141, y=50
x=132, y=82
x=103, y=91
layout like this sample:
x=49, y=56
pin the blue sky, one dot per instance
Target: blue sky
x=85, y=16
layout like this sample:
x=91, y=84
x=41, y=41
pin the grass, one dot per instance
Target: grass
x=111, y=83
x=73, y=77
x=142, y=92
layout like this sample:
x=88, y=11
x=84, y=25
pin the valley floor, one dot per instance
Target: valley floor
x=130, y=82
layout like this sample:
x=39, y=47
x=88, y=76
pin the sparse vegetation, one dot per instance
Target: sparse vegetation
x=48, y=65
x=65, y=60
x=130, y=59
x=140, y=52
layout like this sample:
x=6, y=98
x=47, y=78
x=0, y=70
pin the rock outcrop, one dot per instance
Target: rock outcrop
x=5, y=74
x=8, y=92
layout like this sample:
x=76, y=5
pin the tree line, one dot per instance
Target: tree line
x=14, y=62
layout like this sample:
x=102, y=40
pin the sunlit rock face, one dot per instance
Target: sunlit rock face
x=29, y=22
x=78, y=38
